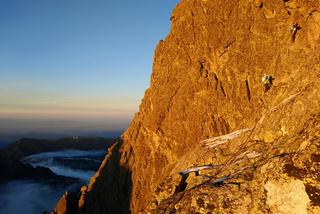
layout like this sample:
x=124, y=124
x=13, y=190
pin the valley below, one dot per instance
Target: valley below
x=34, y=183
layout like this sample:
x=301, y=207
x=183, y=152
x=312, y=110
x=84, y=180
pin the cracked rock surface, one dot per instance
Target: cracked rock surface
x=206, y=82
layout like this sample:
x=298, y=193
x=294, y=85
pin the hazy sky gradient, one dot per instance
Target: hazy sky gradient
x=78, y=59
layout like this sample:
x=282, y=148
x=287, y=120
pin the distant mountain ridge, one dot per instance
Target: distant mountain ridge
x=12, y=137
x=27, y=146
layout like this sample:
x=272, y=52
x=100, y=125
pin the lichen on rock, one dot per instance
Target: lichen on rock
x=287, y=196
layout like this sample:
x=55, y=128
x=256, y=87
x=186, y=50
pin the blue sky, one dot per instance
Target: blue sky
x=78, y=59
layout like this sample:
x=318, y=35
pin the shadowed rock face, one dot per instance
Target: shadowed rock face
x=109, y=190
x=206, y=82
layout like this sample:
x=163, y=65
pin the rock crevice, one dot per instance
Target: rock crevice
x=206, y=82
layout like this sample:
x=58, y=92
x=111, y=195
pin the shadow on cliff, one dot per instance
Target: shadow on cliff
x=110, y=189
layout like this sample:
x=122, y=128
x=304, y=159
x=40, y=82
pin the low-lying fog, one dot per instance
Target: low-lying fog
x=32, y=197
x=29, y=197
x=63, y=162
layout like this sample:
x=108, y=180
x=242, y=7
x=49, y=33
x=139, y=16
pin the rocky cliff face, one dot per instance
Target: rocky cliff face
x=206, y=83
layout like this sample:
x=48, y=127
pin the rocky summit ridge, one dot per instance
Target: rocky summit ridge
x=208, y=138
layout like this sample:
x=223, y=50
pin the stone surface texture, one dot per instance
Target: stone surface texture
x=206, y=82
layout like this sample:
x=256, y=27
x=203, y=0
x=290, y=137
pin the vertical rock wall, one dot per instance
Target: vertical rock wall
x=206, y=82
x=206, y=78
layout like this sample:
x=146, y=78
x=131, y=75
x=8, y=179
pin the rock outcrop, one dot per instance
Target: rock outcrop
x=206, y=83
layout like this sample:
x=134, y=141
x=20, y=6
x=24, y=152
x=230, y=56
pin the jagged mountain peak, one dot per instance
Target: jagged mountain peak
x=207, y=106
